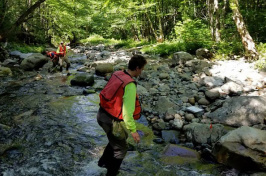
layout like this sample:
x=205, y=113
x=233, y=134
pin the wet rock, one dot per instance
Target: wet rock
x=99, y=84
x=170, y=136
x=34, y=61
x=19, y=55
x=158, y=140
x=175, y=154
x=82, y=79
x=88, y=91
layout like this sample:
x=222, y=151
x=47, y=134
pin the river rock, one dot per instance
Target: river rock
x=239, y=111
x=180, y=58
x=178, y=155
x=203, y=53
x=170, y=136
x=164, y=76
x=83, y=79
x=203, y=133
x=34, y=61
x=99, y=84
x=243, y=148
x=232, y=88
x=103, y=69
x=163, y=104
x=212, y=94
x=211, y=82
x=19, y=55
x=177, y=123
x=203, y=101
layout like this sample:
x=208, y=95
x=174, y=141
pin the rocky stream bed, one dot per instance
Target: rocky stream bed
x=48, y=120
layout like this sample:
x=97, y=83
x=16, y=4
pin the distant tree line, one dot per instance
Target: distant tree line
x=226, y=21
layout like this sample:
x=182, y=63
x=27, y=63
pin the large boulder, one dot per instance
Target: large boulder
x=239, y=111
x=203, y=53
x=243, y=149
x=34, y=61
x=203, y=133
x=83, y=79
x=19, y=55
x=103, y=69
x=197, y=65
x=180, y=58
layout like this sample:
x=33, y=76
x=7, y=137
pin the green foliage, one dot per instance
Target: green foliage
x=163, y=49
x=97, y=39
x=261, y=63
x=262, y=48
x=228, y=49
x=24, y=48
x=193, y=34
x=131, y=43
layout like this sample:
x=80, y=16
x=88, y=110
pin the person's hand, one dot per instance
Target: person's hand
x=136, y=137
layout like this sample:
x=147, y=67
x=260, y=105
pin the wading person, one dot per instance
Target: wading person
x=54, y=58
x=61, y=51
x=119, y=107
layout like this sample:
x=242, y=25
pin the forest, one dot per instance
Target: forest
x=226, y=27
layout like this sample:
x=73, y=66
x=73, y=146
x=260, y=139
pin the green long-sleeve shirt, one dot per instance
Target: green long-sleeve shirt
x=129, y=100
x=58, y=49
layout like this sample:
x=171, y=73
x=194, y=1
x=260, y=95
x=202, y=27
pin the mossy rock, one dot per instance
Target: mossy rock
x=147, y=137
x=5, y=71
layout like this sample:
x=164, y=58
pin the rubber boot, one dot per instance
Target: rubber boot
x=68, y=65
x=113, y=169
x=107, y=157
x=61, y=69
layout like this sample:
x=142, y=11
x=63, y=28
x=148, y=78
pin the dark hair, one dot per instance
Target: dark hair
x=136, y=61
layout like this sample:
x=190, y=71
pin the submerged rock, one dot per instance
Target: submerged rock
x=175, y=154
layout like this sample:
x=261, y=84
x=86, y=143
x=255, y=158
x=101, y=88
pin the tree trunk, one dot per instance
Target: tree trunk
x=160, y=39
x=214, y=16
x=217, y=34
x=20, y=20
x=249, y=45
